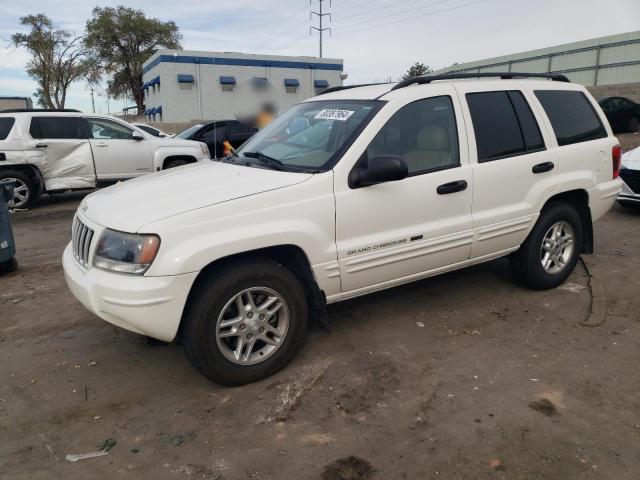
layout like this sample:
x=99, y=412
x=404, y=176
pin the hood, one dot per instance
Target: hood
x=631, y=159
x=127, y=206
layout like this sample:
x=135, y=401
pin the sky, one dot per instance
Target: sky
x=378, y=39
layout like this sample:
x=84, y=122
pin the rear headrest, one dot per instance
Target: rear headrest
x=433, y=137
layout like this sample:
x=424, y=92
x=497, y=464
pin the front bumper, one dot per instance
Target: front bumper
x=627, y=194
x=150, y=306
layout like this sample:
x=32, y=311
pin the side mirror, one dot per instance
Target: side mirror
x=136, y=136
x=384, y=168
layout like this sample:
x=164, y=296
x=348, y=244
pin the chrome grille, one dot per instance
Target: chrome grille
x=81, y=237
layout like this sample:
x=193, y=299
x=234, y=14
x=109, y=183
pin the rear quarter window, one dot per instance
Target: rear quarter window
x=6, y=124
x=571, y=115
x=57, y=128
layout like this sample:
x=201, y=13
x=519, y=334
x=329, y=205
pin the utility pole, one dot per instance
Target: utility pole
x=93, y=102
x=320, y=16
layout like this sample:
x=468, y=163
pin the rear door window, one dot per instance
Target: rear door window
x=528, y=124
x=6, y=124
x=495, y=125
x=573, y=118
x=57, y=128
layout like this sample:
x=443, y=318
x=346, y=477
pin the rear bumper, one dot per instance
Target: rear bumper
x=149, y=306
x=603, y=196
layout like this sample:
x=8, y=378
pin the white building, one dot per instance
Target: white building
x=183, y=86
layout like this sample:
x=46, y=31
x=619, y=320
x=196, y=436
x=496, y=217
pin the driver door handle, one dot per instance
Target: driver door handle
x=452, y=187
x=101, y=144
x=41, y=145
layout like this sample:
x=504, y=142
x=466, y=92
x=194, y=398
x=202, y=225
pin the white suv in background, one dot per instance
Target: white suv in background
x=53, y=151
x=347, y=193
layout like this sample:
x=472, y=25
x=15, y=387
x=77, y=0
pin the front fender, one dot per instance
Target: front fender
x=160, y=154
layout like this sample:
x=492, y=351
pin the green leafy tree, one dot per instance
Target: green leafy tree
x=416, y=70
x=57, y=59
x=121, y=39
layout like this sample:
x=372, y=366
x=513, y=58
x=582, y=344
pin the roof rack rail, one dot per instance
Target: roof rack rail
x=24, y=110
x=348, y=87
x=503, y=75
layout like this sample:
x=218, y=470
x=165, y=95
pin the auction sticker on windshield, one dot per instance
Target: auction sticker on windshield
x=334, y=114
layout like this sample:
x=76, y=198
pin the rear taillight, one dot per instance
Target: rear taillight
x=616, y=156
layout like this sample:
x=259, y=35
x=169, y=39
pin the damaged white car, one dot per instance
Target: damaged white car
x=55, y=151
x=630, y=175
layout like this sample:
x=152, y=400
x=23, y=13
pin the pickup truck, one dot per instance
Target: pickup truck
x=55, y=151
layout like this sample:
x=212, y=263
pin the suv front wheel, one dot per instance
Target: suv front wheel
x=551, y=251
x=245, y=322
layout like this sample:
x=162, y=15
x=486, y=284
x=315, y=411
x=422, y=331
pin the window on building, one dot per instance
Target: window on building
x=573, y=118
x=504, y=125
x=57, y=127
x=108, y=129
x=6, y=124
x=227, y=83
x=423, y=133
x=291, y=85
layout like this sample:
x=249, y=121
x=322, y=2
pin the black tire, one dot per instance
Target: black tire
x=526, y=263
x=179, y=162
x=634, y=124
x=31, y=190
x=207, y=302
x=9, y=266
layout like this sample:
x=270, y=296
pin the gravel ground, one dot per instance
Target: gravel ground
x=462, y=376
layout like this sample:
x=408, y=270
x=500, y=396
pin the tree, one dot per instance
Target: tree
x=121, y=39
x=416, y=70
x=57, y=59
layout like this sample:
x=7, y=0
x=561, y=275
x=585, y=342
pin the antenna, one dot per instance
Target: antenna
x=321, y=16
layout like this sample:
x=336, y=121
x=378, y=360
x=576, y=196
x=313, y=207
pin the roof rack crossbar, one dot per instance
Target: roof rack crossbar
x=503, y=75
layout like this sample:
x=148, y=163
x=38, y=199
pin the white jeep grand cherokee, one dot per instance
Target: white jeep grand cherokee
x=353, y=191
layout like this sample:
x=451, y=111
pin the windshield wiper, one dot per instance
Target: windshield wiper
x=265, y=159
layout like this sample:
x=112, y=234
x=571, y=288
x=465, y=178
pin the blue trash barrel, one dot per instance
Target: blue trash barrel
x=8, y=261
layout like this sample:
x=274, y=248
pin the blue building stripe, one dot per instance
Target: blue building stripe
x=244, y=62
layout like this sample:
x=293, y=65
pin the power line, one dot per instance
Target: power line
x=320, y=16
x=415, y=17
x=368, y=20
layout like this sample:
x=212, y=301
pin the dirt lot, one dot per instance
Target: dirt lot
x=462, y=376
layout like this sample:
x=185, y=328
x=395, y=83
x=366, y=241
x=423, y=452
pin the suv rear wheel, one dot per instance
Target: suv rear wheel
x=245, y=322
x=24, y=193
x=550, y=253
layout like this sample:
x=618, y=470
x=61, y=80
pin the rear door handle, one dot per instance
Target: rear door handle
x=41, y=145
x=543, y=167
x=101, y=144
x=452, y=187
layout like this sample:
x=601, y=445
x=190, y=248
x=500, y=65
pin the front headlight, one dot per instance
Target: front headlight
x=125, y=252
x=205, y=150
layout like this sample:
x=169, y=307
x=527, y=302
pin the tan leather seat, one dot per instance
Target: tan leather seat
x=433, y=149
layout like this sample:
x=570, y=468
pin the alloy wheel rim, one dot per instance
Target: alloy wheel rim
x=252, y=325
x=21, y=193
x=557, y=247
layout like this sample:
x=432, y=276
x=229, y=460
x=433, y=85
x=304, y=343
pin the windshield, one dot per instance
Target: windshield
x=189, y=131
x=309, y=135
